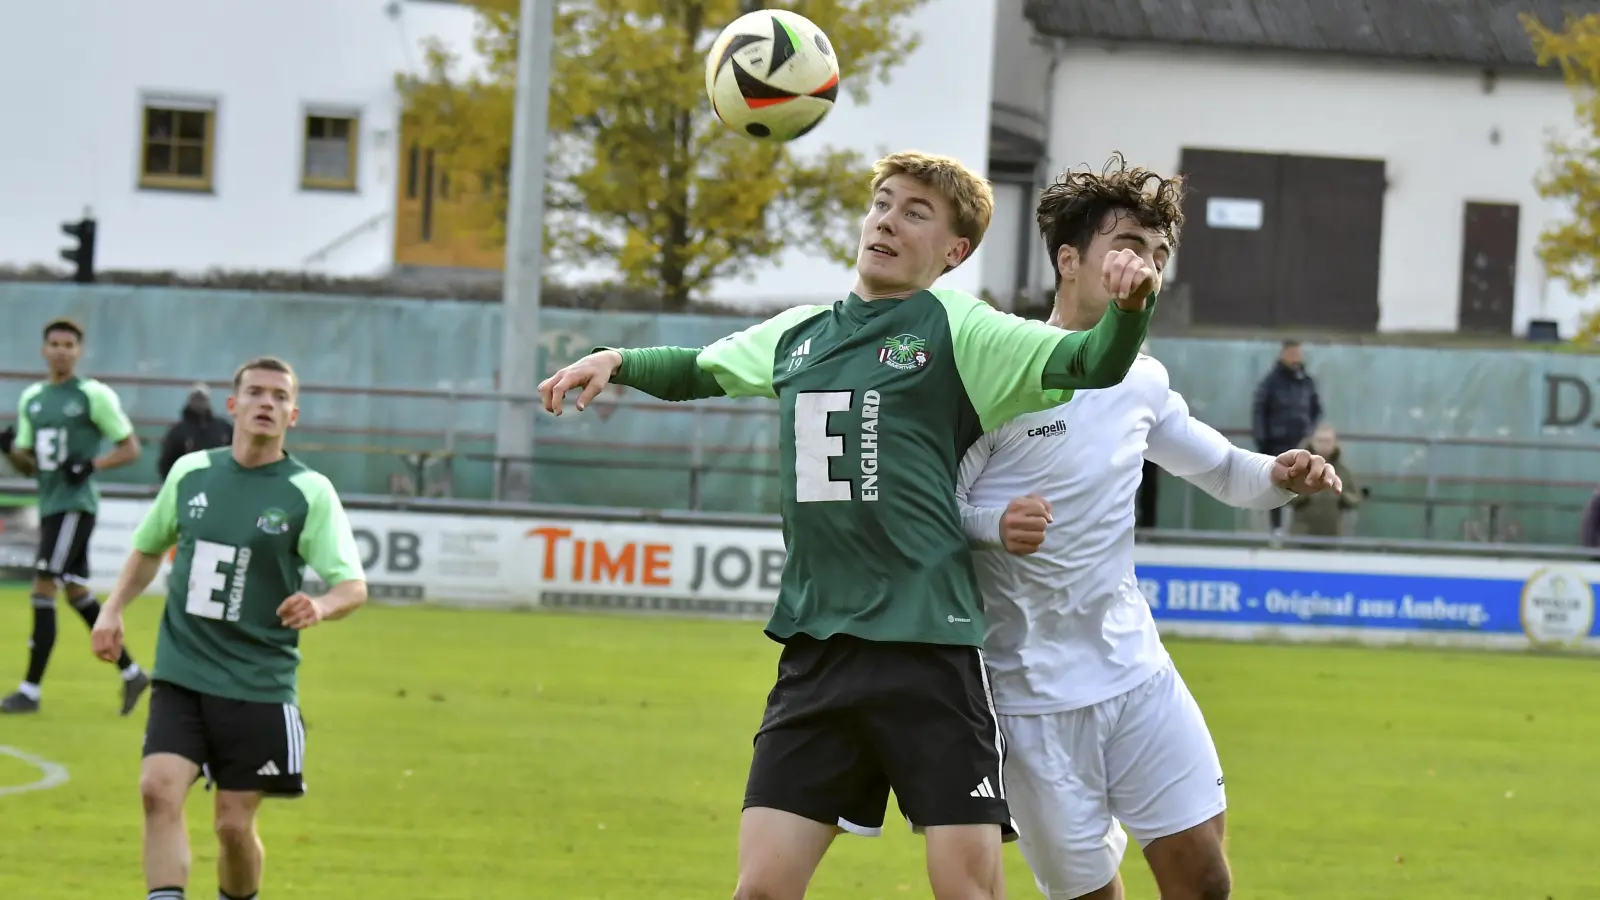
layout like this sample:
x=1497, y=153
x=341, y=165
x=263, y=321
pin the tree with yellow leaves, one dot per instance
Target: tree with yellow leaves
x=640, y=172
x=1570, y=249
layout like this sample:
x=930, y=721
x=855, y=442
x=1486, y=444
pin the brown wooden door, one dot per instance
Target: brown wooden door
x=1331, y=227
x=1223, y=265
x=1309, y=259
x=437, y=219
x=1488, y=267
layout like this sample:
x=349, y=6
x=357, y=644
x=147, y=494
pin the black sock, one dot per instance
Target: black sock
x=44, y=638
x=224, y=895
x=166, y=893
x=89, y=609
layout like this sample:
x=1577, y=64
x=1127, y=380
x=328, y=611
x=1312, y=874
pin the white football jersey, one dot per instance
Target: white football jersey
x=1067, y=625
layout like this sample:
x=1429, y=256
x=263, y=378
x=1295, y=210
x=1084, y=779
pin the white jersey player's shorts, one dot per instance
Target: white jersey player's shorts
x=1074, y=779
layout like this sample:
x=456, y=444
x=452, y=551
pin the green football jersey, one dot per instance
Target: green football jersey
x=74, y=418
x=244, y=537
x=878, y=403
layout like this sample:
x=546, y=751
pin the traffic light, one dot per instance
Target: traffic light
x=81, y=256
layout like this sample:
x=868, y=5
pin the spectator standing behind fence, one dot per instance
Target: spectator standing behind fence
x=197, y=428
x=1286, y=409
x=1323, y=516
x=1589, y=532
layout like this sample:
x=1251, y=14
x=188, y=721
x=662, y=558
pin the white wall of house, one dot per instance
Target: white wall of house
x=1445, y=138
x=77, y=73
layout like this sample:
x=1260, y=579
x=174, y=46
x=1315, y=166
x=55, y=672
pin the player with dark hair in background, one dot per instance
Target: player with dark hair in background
x=1103, y=733
x=62, y=426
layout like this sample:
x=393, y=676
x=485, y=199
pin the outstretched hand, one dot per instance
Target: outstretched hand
x=1303, y=472
x=592, y=374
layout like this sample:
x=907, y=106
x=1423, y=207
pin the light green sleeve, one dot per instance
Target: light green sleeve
x=105, y=411
x=24, y=419
x=743, y=361
x=159, y=530
x=1001, y=358
x=326, y=543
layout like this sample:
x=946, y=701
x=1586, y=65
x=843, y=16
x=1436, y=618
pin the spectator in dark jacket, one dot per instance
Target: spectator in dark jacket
x=197, y=428
x=1286, y=408
x=1589, y=532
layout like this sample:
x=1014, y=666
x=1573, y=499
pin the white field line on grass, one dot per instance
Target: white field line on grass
x=51, y=774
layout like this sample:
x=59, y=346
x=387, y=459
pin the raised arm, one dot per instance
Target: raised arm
x=1011, y=366
x=739, y=365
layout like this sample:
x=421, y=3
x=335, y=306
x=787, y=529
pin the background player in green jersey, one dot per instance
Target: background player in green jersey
x=63, y=424
x=246, y=520
x=881, y=682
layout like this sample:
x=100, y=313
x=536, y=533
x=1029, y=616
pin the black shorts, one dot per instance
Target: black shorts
x=851, y=719
x=239, y=744
x=64, y=546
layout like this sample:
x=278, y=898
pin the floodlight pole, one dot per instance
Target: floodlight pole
x=519, y=345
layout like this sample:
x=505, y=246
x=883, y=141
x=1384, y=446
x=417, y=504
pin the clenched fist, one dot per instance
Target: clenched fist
x=1129, y=279
x=1023, y=525
x=1303, y=472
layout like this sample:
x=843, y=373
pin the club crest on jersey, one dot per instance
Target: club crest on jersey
x=273, y=521
x=73, y=408
x=904, y=351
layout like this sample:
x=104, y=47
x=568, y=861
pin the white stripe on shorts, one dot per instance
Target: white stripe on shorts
x=999, y=736
x=296, y=732
x=64, y=536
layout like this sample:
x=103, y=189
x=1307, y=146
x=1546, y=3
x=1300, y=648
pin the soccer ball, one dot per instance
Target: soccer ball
x=771, y=75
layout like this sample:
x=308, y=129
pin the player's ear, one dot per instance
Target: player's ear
x=230, y=403
x=294, y=416
x=958, y=252
x=1067, y=261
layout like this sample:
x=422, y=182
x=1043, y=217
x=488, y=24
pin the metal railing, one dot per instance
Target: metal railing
x=429, y=460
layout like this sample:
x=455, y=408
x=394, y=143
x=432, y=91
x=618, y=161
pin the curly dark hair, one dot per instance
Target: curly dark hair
x=1073, y=209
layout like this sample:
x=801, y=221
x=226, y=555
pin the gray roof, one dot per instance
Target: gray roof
x=1474, y=32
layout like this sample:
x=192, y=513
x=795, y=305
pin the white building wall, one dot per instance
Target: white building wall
x=76, y=72
x=1433, y=126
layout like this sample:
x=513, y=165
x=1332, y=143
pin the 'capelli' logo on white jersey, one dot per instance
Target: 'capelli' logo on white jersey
x=1051, y=430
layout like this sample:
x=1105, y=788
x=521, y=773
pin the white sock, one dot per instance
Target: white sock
x=29, y=690
x=131, y=672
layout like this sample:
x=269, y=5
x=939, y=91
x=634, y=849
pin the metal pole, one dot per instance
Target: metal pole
x=519, y=346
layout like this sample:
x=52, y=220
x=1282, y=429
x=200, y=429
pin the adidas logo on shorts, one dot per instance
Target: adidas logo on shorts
x=983, y=789
x=269, y=770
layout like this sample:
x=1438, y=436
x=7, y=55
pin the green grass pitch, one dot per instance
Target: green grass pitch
x=472, y=754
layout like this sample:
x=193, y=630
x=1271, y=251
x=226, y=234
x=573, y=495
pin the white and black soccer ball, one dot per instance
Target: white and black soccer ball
x=772, y=75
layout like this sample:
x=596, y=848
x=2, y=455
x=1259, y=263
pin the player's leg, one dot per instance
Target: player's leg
x=1166, y=787
x=811, y=776
x=1056, y=786
x=933, y=726
x=53, y=530
x=259, y=750
x=240, y=854
x=75, y=574
x=174, y=750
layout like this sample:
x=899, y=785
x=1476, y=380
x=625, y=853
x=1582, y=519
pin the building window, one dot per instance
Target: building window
x=330, y=151
x=178, y=143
